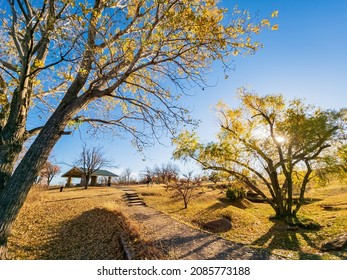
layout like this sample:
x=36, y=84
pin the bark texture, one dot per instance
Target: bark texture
x=14, y=193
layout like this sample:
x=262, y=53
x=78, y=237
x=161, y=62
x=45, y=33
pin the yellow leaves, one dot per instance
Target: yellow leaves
x=73, y=124
x=235, y=52
x=265, y=22
x=274, y=14
x=69, y=226
x=3, y=99
x=36, y=82
x=68, y=76
x=255, y=29
x=186, y=144
x=132, y=8
x=39, y=63
x=275, y=27
x=103, y=59
x=189, y=23
x=124, y=107
x=85, y=9
x=128, y=47
x=83, y=71
x=97, y=14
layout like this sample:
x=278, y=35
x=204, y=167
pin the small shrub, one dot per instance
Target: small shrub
x=234, y=193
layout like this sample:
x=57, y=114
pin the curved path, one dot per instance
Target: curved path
x=181, y=241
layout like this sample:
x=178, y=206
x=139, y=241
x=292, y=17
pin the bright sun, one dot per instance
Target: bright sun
x=280, y=139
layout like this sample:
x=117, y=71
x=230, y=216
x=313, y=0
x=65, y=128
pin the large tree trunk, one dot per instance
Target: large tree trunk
x=86, y=182
x=12, y=135
x=9, y=153
x=16, y=190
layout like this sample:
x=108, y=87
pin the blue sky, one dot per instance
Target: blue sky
x=305, y=58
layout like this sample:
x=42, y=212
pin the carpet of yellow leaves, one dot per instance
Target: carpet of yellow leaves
x=73, y=224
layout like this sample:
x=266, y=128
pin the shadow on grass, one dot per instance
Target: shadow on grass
x=79, y=197
x=281, y=238
x=66, y=199
x=216, y=206
x=312, y=200
x=93, y=235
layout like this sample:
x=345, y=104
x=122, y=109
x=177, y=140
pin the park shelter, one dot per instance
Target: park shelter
x=77, y=172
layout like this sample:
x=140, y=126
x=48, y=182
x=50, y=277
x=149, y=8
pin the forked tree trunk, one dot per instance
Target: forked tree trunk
x=14, y=193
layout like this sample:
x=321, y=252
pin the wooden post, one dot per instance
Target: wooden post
x=109, y=181
x=68, y=181
x=93, y=180
x=83, y=179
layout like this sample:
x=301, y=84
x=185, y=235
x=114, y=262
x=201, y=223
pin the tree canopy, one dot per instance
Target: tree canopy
x=273, y=146
x=124, y=61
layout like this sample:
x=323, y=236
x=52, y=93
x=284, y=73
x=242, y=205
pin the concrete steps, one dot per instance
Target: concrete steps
x=132, y=198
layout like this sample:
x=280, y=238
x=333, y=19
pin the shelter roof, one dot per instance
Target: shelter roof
x=77, y=172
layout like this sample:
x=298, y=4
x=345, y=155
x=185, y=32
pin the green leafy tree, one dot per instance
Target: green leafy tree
x=271, y=146
x=117, y=63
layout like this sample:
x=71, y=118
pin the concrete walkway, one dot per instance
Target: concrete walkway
x=181, y=241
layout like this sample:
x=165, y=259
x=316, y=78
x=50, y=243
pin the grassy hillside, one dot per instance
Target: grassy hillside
x=327, y=206
x=73, y=224
x=86, y=224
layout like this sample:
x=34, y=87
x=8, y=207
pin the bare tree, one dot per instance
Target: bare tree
x=147, y=175
x=125, y=177
x=166, y=173
x=91, y=160
x=185, y=187
x=49, y=171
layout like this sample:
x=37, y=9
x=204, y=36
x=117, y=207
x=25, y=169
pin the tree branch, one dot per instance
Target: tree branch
x=9, y=65
x=14, y=32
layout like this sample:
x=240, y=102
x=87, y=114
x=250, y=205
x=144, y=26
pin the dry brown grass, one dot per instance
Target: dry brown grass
x=87, y=224
x=73, y=224
x=251, y=223
x=77, y=224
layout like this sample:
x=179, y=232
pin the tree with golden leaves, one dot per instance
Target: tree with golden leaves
x=119, y=64
x=271, y=146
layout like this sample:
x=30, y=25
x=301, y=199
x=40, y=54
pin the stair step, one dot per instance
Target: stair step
x=136, y=204
x=132, y=198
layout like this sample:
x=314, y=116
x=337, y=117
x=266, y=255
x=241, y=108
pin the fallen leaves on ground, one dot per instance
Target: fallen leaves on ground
x=73, y=224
